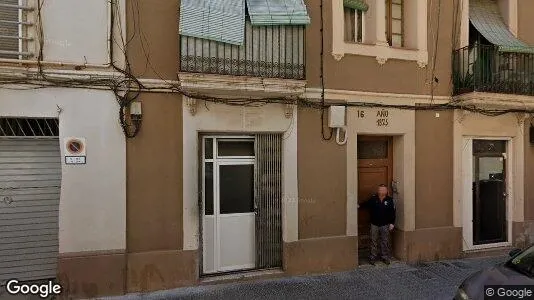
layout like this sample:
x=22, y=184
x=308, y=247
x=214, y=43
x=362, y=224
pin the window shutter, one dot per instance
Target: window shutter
x=277, y=12
x=9, y=29
x=217, y=20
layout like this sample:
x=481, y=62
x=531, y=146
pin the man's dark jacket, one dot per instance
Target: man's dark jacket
x=382, y=212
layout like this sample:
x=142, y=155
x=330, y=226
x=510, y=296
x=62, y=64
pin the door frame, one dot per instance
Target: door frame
x=467, y=193
x=369, y=163
x=216, y=160
x=217, y=215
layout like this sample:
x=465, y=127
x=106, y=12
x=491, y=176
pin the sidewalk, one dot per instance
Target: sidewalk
x=436, y=280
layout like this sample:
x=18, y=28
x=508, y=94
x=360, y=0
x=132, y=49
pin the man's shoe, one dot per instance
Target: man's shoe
x=386, y=261
x=372, y=261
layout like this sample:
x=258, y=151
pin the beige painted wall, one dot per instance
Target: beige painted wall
x=153, y=40
x=525, y=21
x=434, y=169
x=321, y=179
x=154, y=211
x=363, y=73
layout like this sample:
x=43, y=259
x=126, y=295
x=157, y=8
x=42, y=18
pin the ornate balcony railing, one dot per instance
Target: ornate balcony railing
x=483, y=68
x=267, y=51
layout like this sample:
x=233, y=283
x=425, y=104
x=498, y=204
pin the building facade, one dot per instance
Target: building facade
x=212, y=151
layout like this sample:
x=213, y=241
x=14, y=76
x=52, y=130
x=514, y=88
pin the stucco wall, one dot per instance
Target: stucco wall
x=524, y=21
x=92, y=213
x=152, y=31
x=361, y=73
x=322, y=173
x=154, y=157
x=433, y=169
x=76, y=31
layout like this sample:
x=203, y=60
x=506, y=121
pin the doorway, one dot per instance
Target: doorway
x=489, y=192
x=228, y=226
x=375, y=167
x=241, y=203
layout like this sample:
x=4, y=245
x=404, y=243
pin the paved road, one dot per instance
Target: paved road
x=436, y=280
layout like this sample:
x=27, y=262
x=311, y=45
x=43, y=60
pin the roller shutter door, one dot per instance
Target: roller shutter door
x=30, y=178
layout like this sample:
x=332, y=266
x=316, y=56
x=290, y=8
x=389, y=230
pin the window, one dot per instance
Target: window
x=395, y=23
x=14, y=27
x=354, y=23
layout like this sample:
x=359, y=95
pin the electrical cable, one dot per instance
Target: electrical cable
x=127, y=88
x=323, y=106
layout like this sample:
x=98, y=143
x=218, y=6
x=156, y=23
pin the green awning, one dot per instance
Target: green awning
x=356, y=4
x=277, y=12
x=486, y=18
x=217, y=20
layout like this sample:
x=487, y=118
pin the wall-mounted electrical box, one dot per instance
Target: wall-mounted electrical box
x=336, y=116
x=135, y=108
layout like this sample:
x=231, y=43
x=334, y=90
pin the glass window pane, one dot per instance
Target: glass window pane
x=490, y=168
x=208, y=189
x=236, y=184
x=396, y=26
x=235, y=148
x=372, y=149
x=349, y=24
x=396, y=2
x=489, y=146
x=208, y=148
x=396, y=11
x=396, y=40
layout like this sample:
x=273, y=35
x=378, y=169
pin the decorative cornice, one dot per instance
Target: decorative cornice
x=381, y=60
x=225, y=85
x=495, y=100
x=191, y=105
x=372, y=97
x=422, y=64
x=338, y=56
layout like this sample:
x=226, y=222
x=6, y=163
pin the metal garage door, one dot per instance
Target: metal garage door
x=30, y=178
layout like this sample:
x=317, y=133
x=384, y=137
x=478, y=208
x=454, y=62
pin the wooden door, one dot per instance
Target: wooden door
x=375, y=167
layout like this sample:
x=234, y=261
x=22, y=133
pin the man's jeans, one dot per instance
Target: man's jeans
x=380, y=235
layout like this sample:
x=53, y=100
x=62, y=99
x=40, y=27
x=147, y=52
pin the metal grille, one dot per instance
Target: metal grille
x=29, y=127
x=484, y=68
x=14, y=27
x=268, y=51
x=268, y=200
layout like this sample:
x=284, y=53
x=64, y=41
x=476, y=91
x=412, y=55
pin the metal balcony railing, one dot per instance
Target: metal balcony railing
x=485, y=68
x=267, y=51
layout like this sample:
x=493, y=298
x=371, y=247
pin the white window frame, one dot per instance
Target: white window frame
x=380, y=49
x=27, y=13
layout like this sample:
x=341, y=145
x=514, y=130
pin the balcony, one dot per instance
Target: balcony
x=486, y=68
x=267, y=52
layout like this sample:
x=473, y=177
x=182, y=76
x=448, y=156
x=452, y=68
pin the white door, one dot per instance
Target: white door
x=228, y=200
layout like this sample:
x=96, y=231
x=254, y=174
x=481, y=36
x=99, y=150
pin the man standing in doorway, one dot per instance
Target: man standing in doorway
x=382, y=211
